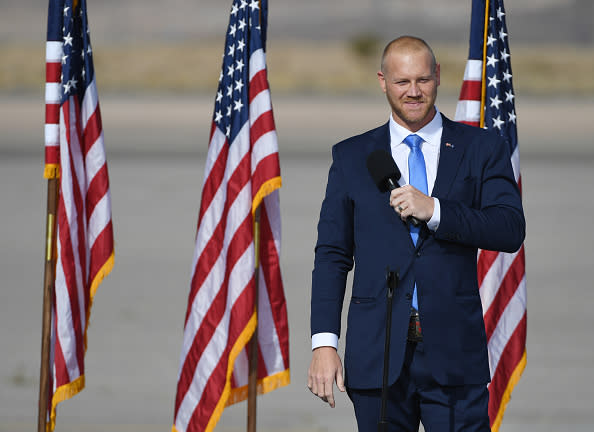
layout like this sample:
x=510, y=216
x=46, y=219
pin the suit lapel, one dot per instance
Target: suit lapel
x=381, y=141
x=450, y=154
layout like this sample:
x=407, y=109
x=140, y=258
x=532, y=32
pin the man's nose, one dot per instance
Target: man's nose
x=414, y=90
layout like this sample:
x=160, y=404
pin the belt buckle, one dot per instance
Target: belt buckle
x=414, y=328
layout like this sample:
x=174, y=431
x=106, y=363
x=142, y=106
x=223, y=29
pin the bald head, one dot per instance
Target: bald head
x=408, y=45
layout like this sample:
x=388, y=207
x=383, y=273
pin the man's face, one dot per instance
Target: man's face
x=410, y=86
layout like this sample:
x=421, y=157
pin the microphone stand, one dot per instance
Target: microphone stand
x=392, y=282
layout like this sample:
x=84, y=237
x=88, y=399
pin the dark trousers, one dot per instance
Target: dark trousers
x=416, y=397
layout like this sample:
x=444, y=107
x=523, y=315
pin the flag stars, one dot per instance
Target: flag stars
x=228, y=113
x=68, y=39
x=240, y=45
x=66, y=8
x=490, y=40
x=255, y=4
x=230, y=70
x=231, y=50
x=492, y=60
x=238, y=85
x=232, y=30
x=500, y=13
x=239, y=65
x=229, y=90
x=493, y=81
x=234, y=10
x=509, y=96
x=241, y=24
x=497, y=122
x=504, y=55
x=502, y=35
x=512, y=116
x=243, y=4
x=507, y=76
x=219, y=96
x=64, y=58
x=238, y=105
x=218, y=116
x=495, y=102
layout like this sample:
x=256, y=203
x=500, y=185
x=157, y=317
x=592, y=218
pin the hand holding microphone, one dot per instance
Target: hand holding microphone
x=406, y=200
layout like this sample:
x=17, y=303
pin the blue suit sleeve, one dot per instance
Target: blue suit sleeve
x=333, y=252
x=497, y=221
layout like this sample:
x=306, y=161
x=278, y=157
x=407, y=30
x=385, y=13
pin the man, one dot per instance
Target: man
x=464, y=193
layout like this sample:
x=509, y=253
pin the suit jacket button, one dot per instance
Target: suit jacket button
x=418, y=254
x=408, y=296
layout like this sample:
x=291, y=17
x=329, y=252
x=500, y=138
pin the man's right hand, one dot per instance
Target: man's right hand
x=324, y=369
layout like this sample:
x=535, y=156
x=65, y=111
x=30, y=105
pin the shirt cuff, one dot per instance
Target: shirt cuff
x=324, y=339
x=433, y=223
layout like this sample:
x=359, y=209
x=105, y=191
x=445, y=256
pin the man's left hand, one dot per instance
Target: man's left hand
x=408, y=201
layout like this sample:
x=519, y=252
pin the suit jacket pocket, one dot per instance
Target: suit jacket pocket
x=359, y=300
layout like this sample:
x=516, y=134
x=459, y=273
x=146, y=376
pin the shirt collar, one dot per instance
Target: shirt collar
x=431, y=132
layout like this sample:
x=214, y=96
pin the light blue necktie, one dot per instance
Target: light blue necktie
x=417, y=175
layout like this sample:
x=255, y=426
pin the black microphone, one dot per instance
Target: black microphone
x=385, y=174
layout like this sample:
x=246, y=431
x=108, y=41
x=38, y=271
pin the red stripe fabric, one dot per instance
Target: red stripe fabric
x=52, y=72
x=485, y=261
x=507, y=288
x=471, y=90
x=510, y=358
x=270, y=265
x=213, y=181
x=264, y=124
x=52, y=155
x=258, y=84
x=215, y=244
x=52, y=113
x=92, y=131
x=98, y=187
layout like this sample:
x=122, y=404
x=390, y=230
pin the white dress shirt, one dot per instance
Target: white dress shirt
x=431, y=135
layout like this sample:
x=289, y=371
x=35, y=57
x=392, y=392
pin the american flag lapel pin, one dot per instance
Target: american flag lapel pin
x=449, y=145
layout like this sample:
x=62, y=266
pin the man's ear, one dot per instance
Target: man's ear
x=437, y=73
x=382, y=80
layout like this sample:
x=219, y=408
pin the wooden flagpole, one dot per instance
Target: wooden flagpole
x=48, y=293
x=253, y=351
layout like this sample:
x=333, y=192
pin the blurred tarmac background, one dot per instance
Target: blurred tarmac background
x=157, y=64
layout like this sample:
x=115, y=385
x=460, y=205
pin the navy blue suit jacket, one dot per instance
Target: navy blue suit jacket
x=480, y=208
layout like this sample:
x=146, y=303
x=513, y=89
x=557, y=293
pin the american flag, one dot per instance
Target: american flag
x=242, y=172
x=487, y=100
x=74, y=153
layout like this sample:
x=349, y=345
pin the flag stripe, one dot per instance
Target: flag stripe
x=470, y=90
x=508, y=287
x=206, y=275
